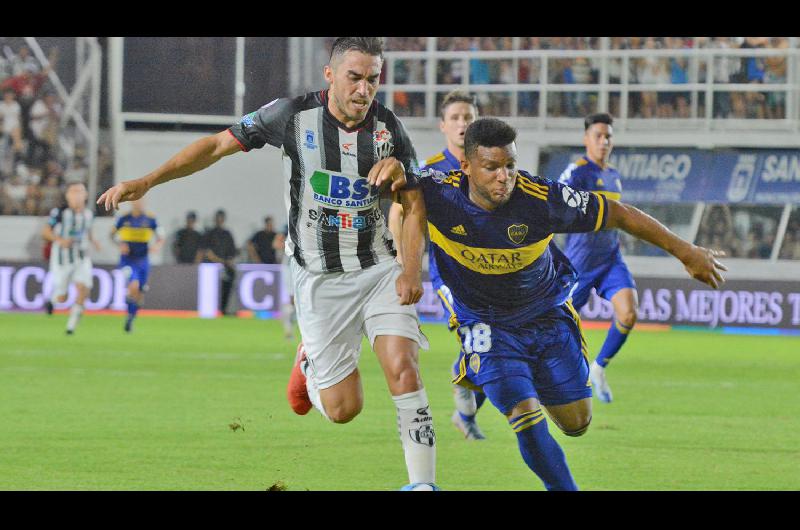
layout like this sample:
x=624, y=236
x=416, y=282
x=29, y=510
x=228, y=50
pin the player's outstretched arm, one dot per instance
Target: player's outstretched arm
x=191, y=159
x=414, y=226
x=701, y=263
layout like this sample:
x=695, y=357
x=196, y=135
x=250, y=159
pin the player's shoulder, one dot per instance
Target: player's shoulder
x=534, y=186
x=435, y=159
x=285, y=106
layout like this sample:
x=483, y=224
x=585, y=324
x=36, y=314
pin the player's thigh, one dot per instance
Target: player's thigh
x=561, y=372
x=61, y=276
x=330, y=323
x=83, y=274
x=512, y=395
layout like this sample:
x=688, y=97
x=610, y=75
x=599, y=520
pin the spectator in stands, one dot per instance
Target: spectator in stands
x=77, y=171
x=15, y=193
x=775, y=73
x=217, y=246
x=23, y=61
x=10, y=131
x=754, y=69
x=50, y=194
x=679, y=101
x=45, y=117
x=650, y=70
x=259, y=247
x=186, y=246
x=790, y=248
x=717, y=229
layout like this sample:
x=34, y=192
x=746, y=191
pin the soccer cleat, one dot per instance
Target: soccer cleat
x=597, y=374
x=70, y=331
x=469, y=429
x=48, y=307
x=128, y=324
x=421, y=486
x=296, y=391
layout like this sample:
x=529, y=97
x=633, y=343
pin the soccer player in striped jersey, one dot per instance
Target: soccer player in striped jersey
x=457, y=111
x=490, y=227
x=340, y=146
x=70, y=230
x=597, y=256
x=133, y=233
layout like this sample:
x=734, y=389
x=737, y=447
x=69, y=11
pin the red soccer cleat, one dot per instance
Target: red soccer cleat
x=296, y=391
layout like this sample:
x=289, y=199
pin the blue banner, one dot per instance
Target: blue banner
x=753, y=176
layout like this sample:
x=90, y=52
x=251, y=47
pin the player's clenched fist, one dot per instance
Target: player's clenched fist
x=129, y=190
x=702, y=264
x=409, y=288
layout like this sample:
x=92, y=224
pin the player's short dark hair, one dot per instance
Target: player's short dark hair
x=600, y=117
x=487, y=132
x=367, y=45
x=268, y=219
x=456, y=96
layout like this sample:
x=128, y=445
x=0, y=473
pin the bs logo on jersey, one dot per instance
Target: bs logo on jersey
x=343, y=191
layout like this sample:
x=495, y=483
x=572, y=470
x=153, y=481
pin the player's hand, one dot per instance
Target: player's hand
x=388, y=170
x=409, y=288
x=129, y=190
x=124, y=249
x=702, y=264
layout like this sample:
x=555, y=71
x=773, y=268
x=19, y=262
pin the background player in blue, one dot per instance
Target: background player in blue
x=457, y=111
x=491, y=229
x=597, y=256
x=133, y=232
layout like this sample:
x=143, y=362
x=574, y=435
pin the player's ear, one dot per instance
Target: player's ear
x=327, y=72
x=465, y=166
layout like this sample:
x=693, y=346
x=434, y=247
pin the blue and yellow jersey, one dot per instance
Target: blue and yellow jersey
x=445, y=162
x=500, y=266
x=588, y=251
x=136, y=232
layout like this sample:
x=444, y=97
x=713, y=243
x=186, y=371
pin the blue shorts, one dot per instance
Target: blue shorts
x=606, y=280
x=545, y=358
x=139, y=267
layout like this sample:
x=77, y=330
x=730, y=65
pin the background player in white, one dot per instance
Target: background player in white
x=339, y=147
x=70, y=231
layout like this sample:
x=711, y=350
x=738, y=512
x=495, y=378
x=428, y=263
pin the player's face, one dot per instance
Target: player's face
x=76, y=196
x=492, y=174
x=137, y=206
x=457, y=117
x=353, y=79
x=597, y=140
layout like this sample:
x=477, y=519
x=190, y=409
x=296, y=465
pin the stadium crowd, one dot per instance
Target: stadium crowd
x=35, y=163
x=663, y=70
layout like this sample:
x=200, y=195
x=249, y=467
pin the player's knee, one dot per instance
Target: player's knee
x=343, y=412
x=576, y=427
x=627, y=318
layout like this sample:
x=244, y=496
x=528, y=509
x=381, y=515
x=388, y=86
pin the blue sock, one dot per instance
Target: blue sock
x=541, y=452
x=616, y=337
x=133, y=307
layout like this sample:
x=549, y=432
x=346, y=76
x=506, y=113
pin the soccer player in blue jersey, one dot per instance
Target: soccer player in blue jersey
x=134, y=232
x=597, y=256
x=490, y=227
x=457, y=111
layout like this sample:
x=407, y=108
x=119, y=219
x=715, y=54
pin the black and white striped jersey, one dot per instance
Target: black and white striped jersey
x=335, y=222
x=67, y=223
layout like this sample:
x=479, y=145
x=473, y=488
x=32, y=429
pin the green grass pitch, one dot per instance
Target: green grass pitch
x=189, y=404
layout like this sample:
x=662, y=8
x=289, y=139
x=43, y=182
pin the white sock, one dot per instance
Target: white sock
x=415, y=424
x=74, y=316
x=313, y=389
x=465, y=400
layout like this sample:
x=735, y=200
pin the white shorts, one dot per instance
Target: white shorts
x=80, y=271
x=335, y=310
x=286, y=276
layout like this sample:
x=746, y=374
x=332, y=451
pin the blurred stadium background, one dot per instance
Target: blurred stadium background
x=707, y=136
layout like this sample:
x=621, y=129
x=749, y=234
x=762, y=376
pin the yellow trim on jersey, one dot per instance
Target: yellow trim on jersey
x=581, y=162
x=452, y=322
x=602, y=206
x=454, y=179
x=434, y=159
x=131, y=234
x=461, y=378
x=610, y=194
x=531, y=188
x=489, y=260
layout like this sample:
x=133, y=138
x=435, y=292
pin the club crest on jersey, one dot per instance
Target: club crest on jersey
x=382, y=140
x=475, y=362
x=517, y=233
